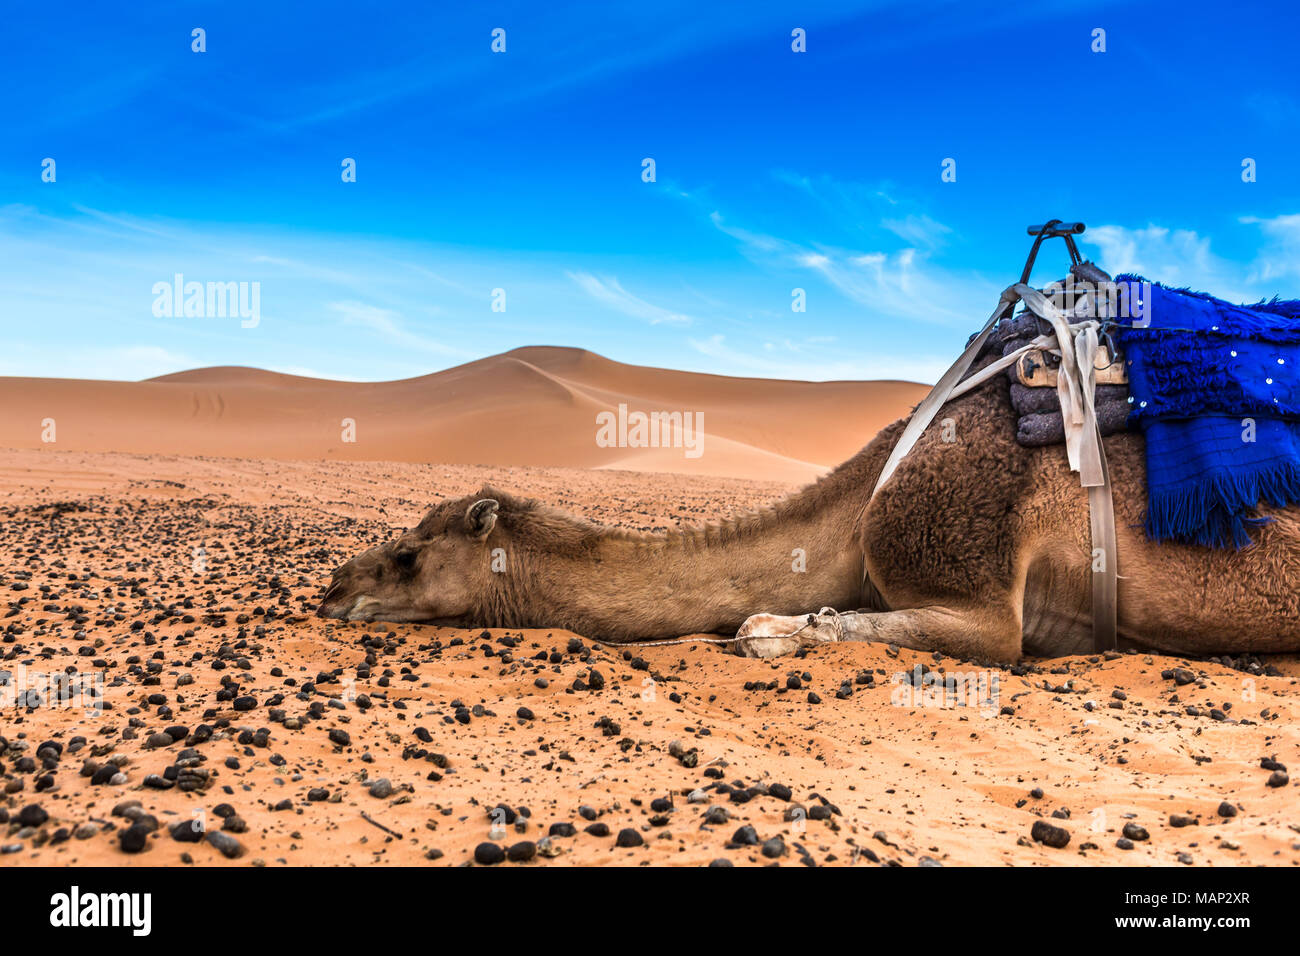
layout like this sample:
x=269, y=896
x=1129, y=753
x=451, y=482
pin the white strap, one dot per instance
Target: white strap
x=1076, y=385
x=932, y=402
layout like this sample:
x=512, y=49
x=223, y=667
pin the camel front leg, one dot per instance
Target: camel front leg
x=973, y=633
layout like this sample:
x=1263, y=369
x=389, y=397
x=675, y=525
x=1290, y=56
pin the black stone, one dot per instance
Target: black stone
x=488, y=854
x=627, y=837
x=521, y=852
x=1049, y=835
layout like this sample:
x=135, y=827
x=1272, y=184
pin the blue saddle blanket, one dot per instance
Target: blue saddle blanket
x=1216, y=391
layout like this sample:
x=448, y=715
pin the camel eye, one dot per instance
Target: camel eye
x=404, y=559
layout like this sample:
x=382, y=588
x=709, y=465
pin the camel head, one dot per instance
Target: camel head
x=433, y=572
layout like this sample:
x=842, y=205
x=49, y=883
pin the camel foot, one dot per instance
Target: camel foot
x=773, y=635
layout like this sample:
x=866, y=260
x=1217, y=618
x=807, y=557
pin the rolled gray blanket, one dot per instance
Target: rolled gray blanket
x=1048, y=428
x=1038, y=409
x=1010, y=345
x=1026, y=325
x=1035, y=401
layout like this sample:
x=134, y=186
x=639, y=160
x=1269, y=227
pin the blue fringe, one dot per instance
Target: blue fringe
x=1211, y=512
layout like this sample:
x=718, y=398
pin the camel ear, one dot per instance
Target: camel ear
x=481, y=517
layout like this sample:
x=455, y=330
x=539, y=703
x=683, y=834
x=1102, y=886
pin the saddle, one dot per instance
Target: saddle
x=1033, y=382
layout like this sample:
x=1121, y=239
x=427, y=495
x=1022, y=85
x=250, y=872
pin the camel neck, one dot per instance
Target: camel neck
x=797, y=556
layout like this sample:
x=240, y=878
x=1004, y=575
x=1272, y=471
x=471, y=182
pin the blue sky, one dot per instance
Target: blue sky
x=522, y=171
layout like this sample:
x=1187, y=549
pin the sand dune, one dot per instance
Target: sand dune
x=534, y=406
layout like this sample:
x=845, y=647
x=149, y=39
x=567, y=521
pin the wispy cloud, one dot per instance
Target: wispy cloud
x=1280, y=255
x=611, y=293
x=1184, y=257
x=390, y=326
x=919, y=230
x=1174, y=256
x=903, y=284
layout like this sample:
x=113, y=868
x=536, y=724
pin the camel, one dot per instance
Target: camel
x=977, y=548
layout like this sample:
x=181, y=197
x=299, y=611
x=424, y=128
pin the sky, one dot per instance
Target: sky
x=502, y=199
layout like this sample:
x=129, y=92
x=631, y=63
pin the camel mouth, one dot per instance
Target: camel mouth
x=363, y=608
x=334, y=603
x=367, y=609
x=342, y=610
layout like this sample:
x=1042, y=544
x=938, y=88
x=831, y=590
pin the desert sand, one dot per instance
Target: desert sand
x=305, y=741
x=172, y=543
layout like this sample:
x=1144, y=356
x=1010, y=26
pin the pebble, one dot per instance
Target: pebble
x=1049, y=835
x=1135, y=832
x=134, y=838
x=230, y=847
x=628, y=837
x=489, y=854
x=32, y=815
x=186, y=831
x=521, y=852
